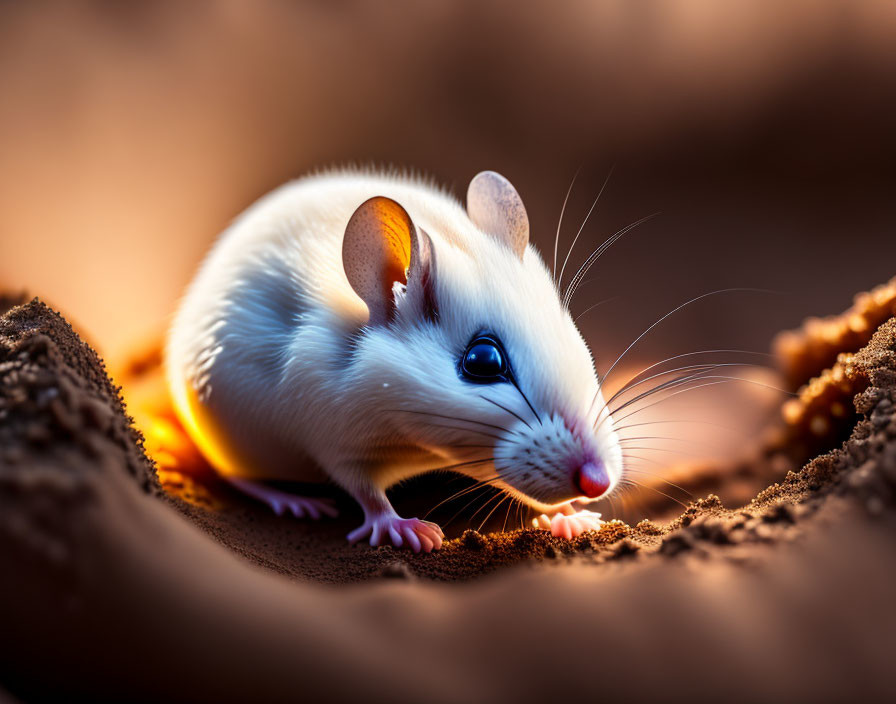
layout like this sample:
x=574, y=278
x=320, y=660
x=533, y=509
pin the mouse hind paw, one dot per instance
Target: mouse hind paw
x=282, y=502
x=413, y=533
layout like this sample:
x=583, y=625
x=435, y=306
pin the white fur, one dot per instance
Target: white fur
x=271, y=340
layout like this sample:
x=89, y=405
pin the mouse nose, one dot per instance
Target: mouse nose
x=592, y=480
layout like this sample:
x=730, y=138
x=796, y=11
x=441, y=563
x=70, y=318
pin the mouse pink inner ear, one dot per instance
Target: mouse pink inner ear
x=382, y=247
x=495, y=207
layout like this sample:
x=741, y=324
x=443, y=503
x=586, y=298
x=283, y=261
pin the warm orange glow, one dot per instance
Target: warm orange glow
x=181, y=467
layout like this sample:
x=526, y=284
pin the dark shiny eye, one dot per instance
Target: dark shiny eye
x=484, y=361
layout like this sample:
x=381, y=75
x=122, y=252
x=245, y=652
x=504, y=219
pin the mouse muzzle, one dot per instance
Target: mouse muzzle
x=553, y=463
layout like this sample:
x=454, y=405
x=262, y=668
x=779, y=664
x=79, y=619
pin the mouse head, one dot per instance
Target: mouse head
x=470, y=353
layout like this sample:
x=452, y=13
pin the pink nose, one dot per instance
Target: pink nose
x=591, y=480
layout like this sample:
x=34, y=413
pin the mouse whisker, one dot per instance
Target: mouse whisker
x=663, y=386
x=620, y=428
x=625, y=493
x=498, y=498
x=467, y=463
x=592, y=307
x=697, y=370
x=584, y=222
x=694, y=371
x=611, y=500
x=630, y=498
x=596, y=254
x=683, y=382
x=650, y=448
x=693, y=354
x=636, y=498
x=560, y=224
x=676, y=393
x=666, y=398
x=455, y=418
x=505, y=408
x=701, y=445
x=653, y=437
x=653, y=475
x=701, y=376
x=715, y=365
x=526, y=399
x=675, y=310
x=495, y=508
x=467, y=505
x=661, y=493
x=466, y=430
x=630, y=456
x=480, y=483
x=664, y=438
x=660, y=320
x=510, y=506
x=632, y=383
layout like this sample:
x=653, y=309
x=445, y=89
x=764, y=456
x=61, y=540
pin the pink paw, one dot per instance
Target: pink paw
x=569, y=525
x=416, y=534
x=282, y=502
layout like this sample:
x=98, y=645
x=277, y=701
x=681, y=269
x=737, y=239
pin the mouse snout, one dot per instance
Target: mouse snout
x=591, y=479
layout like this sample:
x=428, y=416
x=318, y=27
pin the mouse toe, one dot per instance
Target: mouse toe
x=412, y=533
x=283, y=503
x=569, y=525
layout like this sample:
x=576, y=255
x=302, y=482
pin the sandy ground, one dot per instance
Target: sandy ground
x=114, y=589
x=762, y=131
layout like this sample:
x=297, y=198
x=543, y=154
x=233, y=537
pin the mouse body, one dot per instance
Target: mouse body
x=364, y=328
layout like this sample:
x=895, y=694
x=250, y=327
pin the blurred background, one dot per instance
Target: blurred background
x=762, y=132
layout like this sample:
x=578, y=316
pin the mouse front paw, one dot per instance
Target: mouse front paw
x=411, y=532
x=569, y=525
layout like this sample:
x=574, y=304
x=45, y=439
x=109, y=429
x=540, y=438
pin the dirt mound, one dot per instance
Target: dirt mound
x=109, y=592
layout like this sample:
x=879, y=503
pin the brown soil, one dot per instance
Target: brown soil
x=109, y=592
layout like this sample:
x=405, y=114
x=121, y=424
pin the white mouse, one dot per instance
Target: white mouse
x=366, y=328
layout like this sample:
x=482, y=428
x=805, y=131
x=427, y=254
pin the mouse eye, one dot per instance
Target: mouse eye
x=484, y=361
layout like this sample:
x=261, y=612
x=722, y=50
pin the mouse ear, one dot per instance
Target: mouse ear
x=495, y=207
x=382, y=247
